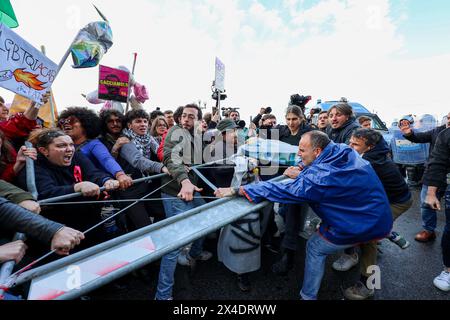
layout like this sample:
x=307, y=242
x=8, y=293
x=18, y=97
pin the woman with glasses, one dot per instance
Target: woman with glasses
x=83, y=126
x=59, y=170
x=159, y=128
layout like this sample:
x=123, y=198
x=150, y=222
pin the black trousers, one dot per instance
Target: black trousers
x=296, y=215
x=445, y=242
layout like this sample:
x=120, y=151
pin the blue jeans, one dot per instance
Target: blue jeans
x=428, y=215
x=172, y=207
x=317, y=250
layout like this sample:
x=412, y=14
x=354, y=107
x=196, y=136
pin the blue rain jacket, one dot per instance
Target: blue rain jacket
x=342, y=189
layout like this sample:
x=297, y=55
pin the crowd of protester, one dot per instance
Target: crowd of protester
x=346, y=176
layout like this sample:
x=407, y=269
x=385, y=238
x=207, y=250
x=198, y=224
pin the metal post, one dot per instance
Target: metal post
x=106, y=246
x=7, y=267
x=144, y=179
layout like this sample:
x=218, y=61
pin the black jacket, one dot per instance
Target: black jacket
x=53, y=181
x=344, y=133
x=388, y=172
x=439, y=162
x=14, y=218
x=221, y=174
x=426, y=137
x=285, y=133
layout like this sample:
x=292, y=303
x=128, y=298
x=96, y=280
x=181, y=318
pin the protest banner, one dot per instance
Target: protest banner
x=24, y=70
x=113, y=84
x=20, y=104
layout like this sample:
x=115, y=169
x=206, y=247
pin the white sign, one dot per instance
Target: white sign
x=220, y=76
x=24, y=69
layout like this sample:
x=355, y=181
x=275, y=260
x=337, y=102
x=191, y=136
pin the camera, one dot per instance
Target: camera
x=315, y=110
x=240, y=124
x=268, y=110
x=226, y=111
x=215, y=95
x=299, y=100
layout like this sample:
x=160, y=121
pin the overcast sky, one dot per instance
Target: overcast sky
x=391, y=56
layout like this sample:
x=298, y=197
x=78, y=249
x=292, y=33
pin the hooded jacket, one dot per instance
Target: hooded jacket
x=342, y=189
x=344, y=133
x=393, y=182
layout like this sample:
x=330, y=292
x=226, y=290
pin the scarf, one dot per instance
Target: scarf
x=146, y=144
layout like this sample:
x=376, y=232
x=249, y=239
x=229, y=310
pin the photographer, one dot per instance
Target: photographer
x=242, y=131
x=262, y=112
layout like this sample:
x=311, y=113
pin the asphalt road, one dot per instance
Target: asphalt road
x=406, y=274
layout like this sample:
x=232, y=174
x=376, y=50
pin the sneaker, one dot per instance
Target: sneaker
x=243, y=282
x=399, y=240
x=185, y=259
x=425, y=236
x=346, y=262
x=168, y=299
x=358, y=292
x=442, y=281
x=204, y=256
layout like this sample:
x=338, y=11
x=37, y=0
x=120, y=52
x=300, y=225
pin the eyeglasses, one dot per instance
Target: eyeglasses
x=70, y=121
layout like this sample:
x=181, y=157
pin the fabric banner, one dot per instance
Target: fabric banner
x=113, y=84
x=20, y=104
x=24, y=69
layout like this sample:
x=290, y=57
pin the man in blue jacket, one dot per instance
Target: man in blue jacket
x=341, y=188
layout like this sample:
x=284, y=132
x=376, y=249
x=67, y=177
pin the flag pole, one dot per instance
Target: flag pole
x=129, y=82
x=52, y=106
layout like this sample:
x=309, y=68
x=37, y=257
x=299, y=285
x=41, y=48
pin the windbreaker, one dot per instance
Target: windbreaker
x=342, y=189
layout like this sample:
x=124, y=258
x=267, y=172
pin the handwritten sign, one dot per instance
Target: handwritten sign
x=219, y=81
x=24, y=69
x=113, y=84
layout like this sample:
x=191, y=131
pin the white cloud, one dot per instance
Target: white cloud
x=356, y=52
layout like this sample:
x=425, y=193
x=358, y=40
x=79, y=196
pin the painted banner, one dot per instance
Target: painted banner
x=113, y=84
x=74, y=277
x=20, y=104
x=219, y=81
x=24, y=69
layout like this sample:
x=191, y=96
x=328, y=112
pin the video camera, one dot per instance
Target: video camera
x=299, y=100
x=226, y=113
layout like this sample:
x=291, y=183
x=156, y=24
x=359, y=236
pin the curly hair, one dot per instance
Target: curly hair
x=104, y=118
x=135, y=114
x=89, y=120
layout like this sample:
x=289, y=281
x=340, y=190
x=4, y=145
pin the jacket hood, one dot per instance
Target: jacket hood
x=377, y=155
